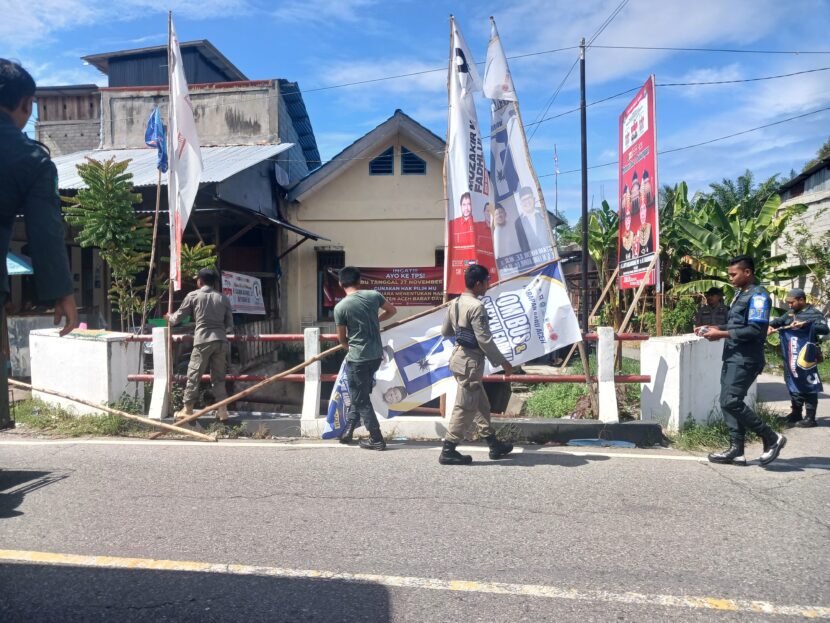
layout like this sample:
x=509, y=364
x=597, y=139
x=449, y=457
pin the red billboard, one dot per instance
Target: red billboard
x=639, y=235
x=403, y=287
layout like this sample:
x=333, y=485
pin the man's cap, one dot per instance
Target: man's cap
x=796, y=293
x=714, y=290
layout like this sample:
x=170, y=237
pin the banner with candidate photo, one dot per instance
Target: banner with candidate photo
x=522, y=235
x=639, y=232
x=530, y=316
x=800, y=353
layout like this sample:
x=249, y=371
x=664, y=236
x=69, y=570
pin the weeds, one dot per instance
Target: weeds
x=48, y=418
x=715, y=434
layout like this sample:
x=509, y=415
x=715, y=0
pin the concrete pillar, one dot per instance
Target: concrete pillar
x=313, y=386
x=606, y=352
x=160, y=401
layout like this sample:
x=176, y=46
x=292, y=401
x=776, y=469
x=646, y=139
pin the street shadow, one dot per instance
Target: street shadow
x=534, y=459
x=14, y=485
x=773, y=391
x=800, y=464
x=125, y=595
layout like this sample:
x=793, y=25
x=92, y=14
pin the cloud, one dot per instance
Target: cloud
x=323, y=12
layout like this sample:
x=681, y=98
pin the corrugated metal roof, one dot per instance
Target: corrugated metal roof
x=219, y=163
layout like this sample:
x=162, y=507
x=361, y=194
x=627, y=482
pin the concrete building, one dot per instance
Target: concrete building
x=380, y=202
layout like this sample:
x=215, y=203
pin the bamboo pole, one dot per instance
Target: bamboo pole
x=250, y=390
x=129, y=416
x=594, y=311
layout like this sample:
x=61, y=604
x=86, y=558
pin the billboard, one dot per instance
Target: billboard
x=403, y=287
x=245, y=293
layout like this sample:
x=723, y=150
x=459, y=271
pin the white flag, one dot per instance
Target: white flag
x=184, y=155
x=498, y=84
x=469, y=212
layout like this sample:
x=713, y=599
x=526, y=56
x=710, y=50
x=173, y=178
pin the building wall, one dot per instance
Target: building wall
x=379, y=221
x=246, y=114
x=67, y=137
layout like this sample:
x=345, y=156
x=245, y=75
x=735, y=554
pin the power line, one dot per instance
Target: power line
x=721, y=50
x=690, y=84
x=714, y=140
x=607, y=21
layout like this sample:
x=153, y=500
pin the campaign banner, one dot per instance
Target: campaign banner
x=530, y=316
x=522, y=236
x=245, y=293
x=469, y=194
x=639, y=233
x=403, y=287
x=800, y=353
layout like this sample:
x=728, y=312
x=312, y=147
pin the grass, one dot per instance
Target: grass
x=40, y=416
x=715, y=434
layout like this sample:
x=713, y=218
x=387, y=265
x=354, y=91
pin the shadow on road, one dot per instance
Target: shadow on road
x=14, y=485
x=532, y=459
x=121, y=595
x=800, y=464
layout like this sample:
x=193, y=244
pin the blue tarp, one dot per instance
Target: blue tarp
x=17, y=265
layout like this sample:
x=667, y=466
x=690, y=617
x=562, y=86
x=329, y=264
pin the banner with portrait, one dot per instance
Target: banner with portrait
x=801, y=359
x=245, y=293
x=639, y=232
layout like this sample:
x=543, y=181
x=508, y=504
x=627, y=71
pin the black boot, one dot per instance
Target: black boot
x=348, y=433
x=733, y=455
x=793, y=417
x=451, y=456
x=773, y=444
x=498, y=449
x=375, y=441
x=809, y=421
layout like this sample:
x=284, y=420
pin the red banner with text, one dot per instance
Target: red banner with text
x=403, y=287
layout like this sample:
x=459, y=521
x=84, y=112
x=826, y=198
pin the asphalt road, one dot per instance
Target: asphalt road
x=256, y=531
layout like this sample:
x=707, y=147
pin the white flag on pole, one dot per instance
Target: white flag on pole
x=184, y=155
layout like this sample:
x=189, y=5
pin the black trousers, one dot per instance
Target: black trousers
x=799, y=400
x=735, y=380
x=361, y=378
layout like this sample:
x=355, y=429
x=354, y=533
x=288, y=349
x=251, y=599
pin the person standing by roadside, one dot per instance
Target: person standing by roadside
x=467, y=320
x=358, y=330
x=29, y=186
x=714, y=312
x=211, y=310
x=800, y=314
x=745, y=333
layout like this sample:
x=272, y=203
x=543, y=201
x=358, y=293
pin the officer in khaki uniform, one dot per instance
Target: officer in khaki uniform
x=212, y=312
x=467, y=320
x=745, y=333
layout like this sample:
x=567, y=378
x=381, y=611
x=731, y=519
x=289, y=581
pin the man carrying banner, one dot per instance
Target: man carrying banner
x=211, y=310
x=745, y=333
x=799, y=327
x=467, y=320
x=358, y=330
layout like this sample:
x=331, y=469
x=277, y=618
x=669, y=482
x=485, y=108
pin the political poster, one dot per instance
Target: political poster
x=800, y=353
x=530, y=316
x=639, y=230
x=245, y=293
x=403, y=287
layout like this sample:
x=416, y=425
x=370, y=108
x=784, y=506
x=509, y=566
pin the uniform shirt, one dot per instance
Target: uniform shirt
x=473, y=315
x=358, y=312
x=714, y=316
x=747, y=326
x=212, y=312
x=808, y=314
x=29, y=187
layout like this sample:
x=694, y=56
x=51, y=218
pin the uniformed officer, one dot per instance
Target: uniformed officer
x=29, y=186
x=714, y=312
x=467, y=320
x=212, y=312
x=745, y=333
x=801, y=313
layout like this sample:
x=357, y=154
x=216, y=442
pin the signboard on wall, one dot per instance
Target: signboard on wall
x=245, y=293
x=403, y=287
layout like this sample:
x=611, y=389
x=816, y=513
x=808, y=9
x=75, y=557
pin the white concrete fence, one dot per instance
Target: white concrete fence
x=94, y=366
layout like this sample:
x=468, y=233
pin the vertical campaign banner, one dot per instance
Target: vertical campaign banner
x=522, y=236
x=469, y=194
x=639, y=235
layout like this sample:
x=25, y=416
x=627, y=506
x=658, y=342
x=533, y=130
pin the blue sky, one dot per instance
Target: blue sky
x=321, y=43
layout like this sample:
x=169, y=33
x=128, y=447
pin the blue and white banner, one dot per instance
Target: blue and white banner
x=530, y=316
x=800, y=353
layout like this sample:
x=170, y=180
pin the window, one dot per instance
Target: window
x=412, y=164
x=439, y=257
x=327, y=261
x=383, y=164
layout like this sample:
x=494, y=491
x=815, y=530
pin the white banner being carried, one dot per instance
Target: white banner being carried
x=530, y=316
x=521, y=228
x=184, y=156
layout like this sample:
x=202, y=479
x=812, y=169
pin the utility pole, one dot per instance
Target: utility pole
x=584, y=303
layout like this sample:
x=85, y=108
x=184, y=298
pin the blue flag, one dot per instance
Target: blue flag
x=154, y=137
x=800, y=353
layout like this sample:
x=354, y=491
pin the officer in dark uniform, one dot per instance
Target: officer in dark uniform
x=714, y=312
x=29, y=186
x=745, y=333
x=801, y=313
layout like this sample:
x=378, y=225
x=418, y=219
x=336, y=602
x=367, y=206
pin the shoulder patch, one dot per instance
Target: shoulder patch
x=758, y=308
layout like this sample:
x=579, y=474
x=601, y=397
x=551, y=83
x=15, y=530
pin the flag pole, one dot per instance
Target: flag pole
x=442, y=401
x=172, y=205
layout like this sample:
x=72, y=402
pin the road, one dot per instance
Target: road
x=110, y=530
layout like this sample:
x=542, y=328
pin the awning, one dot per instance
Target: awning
x=18, y=265
x=220, y=163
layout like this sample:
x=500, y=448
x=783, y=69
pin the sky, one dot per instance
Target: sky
x=327, y=43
